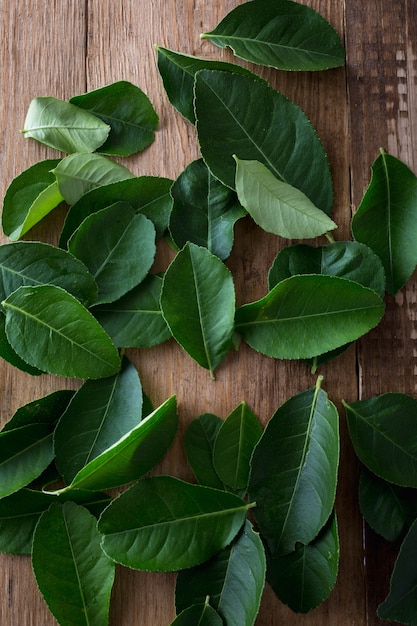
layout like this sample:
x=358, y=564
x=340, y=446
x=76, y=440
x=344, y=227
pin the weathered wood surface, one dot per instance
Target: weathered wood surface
x=65, y=48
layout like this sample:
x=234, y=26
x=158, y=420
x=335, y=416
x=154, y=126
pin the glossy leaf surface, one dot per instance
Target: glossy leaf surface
x=8, y=354
x=52, y=331
x=198, y=615
x=129, y=113
x=73, y=574
x=269, y=128
x=304, y=316
x=198, y=304
x=199, y=441
x=294, y=491
x=386, y=219
x=164, y=524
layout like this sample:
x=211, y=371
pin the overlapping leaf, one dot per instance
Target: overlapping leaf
x=8, y=354
x=200, y=615
x=199, y=441
x=45, y=410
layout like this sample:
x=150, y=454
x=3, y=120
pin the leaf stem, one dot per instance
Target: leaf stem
x=330, y=237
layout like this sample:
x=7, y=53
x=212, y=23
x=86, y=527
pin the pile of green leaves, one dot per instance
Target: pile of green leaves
x=72, y=309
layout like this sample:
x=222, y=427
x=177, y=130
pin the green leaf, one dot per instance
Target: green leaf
x=164, y=524
x=149, y=195
x=118, y=247
x=233, y=446
x=199, y=441
x=204, y=211
x=233, y=579
x=269, y=128
x=285, y=35
x=52, y=331
x=346, y=259
x=178, y=72
x=20, y=512
x=98, y=416
x=294, y=490
x=136, y=321
x=63, y=126
x=304, y=578
x=73, y=574
x=8, y=354
x=304, y=316
x=387, y=509
x=383, y=431
x=29, y=197
x=133, y=455
x=276, y=206
x=128, y=112
x=401, y=602
x=35, y=263
x=198, y=615
x=386, y=219
x=198, y=304
x=24, y=453
x=45, y=410
x=78, y=173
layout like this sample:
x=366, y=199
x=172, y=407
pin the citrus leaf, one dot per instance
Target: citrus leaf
x=199, y=441
x=73, y=574
x=45, y=410
x=52, y=331
x=294, y=492
x=8, y=354
x=304, y=316
x=198, y=615
x=128, y=112
x=285, y=35
x=164, y=524
x=63, y=126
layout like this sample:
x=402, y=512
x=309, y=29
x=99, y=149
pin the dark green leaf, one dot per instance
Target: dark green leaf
x=304, y=578
x=45, y=410
x=8, y=354
x=304, y=316
x=29, y=197
x=286, y=35
x=199, y=441
x=198, y=304
x=128, y=112
x=165, y=524
x=52, y=331
x=294, y=471
x=73, y=574
x=383, y=431
x=198, y=615
x=233, y=579
x=386, y=219
x=244, y=116
x=118, y=247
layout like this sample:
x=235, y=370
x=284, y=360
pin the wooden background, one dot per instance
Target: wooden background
x=66, y=47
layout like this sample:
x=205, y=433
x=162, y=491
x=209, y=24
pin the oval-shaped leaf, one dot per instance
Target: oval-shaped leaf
x=128, y=112
x=118, y=247
x=52, y=331
x=294, y=491
x=304, y=316
x=286, y=35
x=233, y=579
x=79, y=172
x=199, y=441
x=198, y=615
x=269, y=128
x=233, y=446
x=63, y=126
x=276, y=206
x=304, y=578
x=198, y=303
x=171, y=524
x=73, y=574
x=386, y=219
x=383, y=430
x=8, y=354
x=29, y=197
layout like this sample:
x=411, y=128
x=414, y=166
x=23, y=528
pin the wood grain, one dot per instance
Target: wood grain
x=65, y=48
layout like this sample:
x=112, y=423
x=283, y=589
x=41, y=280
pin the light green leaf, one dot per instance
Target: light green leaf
x=73, y=574
x=164, y=524
x=269, y=128
x=286, y=35
x=276, y=206
x=52, y=331
x=128, y=112
x=198, y=615
x=386, y=219
x=304, y=316
x=78, y=173
x=199, y=441
x=63, y=126
x=295, y=489
x=29, y=198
